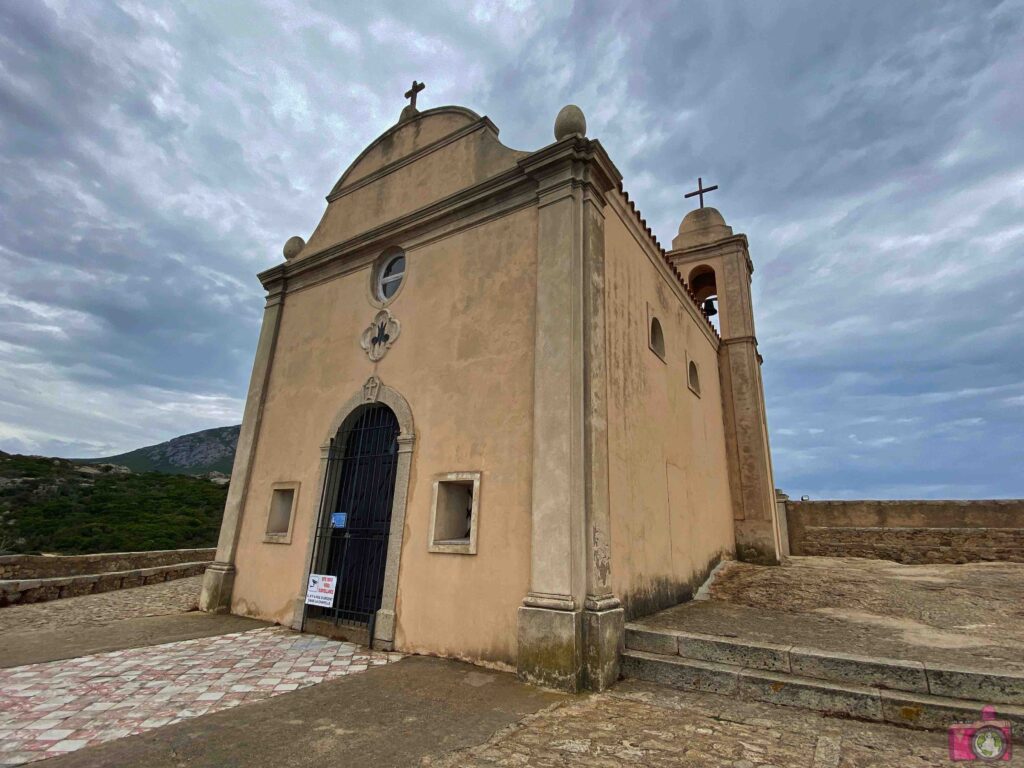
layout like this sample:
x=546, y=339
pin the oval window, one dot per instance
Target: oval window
x=389, y=277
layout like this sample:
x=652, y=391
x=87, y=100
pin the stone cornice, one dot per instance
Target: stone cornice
x=707, y=250
x=463, y=202
x=741, y=340
x=275, y=292
x=573, y=162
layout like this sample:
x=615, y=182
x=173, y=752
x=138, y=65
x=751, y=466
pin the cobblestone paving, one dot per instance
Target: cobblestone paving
x=59, y=707
x=168, y=597
x=968, y=614
x=643, y=725
x=939, y=595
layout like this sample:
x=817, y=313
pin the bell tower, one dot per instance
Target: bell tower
x=716, y=265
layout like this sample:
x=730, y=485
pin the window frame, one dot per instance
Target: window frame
x=378, y=280
x=696, y=368
x=286, y=536
x=448, y=546
x=651, y=319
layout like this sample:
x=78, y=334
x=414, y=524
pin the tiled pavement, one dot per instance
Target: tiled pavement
x=58, y=707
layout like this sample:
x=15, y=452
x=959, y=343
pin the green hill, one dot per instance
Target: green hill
x=212, y=450
x=56, y=505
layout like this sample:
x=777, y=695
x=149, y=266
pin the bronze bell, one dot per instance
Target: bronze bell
x=709, y=307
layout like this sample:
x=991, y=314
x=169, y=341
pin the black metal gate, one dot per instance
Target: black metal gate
x=355, y=516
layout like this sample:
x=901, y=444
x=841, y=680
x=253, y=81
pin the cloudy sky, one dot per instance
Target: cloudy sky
x=155, y=156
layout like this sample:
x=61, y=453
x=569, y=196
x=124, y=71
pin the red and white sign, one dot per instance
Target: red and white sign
x=320, y=590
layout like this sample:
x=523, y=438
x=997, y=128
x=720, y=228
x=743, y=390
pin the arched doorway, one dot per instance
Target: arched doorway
x=354, y=526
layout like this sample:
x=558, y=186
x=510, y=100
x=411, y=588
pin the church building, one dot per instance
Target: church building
x=489, y=418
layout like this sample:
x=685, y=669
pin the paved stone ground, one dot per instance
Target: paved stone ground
x=39, y=646
x=397, y=714
x=63, y=706
x=968, y=615
x=443, y=714
x=432, y=712
x=169, y=597
x=638, y=724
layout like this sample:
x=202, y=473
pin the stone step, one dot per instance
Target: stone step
x=353, y=632
x=863, y=702
x=925, y=678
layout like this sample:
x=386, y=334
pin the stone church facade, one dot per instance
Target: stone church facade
x=490, y=405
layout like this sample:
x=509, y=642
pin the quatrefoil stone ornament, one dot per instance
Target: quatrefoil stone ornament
x=382, y=333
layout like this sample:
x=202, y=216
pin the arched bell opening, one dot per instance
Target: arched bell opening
x=703, y=283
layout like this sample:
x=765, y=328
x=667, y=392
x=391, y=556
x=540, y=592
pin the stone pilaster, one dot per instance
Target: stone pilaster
x=603, y=616
x=219, y=579
x=705, y=241
x=570, y=623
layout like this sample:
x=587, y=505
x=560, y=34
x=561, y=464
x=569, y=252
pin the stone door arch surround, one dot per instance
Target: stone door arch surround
x=373, y=391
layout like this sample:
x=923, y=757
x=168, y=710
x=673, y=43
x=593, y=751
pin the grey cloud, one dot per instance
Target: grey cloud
x=155, y=157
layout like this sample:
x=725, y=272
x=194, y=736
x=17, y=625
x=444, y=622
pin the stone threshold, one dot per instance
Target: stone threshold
x=24, y=591
x=910, y=676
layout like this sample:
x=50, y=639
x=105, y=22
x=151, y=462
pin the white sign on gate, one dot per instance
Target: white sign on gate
x=320, y=590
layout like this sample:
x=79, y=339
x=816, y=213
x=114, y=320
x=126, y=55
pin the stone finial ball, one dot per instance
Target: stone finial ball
x=293, y=247
x=570, y=121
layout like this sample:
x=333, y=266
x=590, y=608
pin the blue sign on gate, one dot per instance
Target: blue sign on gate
x=339, y=519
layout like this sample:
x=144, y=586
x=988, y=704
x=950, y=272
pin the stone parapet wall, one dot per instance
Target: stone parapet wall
x=21, y=591
x=45, y=567
x=908, y=531
x=916, y=545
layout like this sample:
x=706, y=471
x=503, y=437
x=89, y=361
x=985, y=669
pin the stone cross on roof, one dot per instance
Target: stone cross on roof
x=701, y=189
x=409, y=111
x=411, y=93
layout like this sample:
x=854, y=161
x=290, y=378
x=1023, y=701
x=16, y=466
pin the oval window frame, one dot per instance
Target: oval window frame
x=378, y=281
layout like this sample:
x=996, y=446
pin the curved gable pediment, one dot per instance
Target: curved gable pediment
x=404, y=139
x=435, y=154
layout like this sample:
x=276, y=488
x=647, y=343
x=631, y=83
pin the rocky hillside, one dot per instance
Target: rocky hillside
x=55, y=505
x=212, y=450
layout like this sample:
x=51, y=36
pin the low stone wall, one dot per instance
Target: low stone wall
x=44, y=567
x=908, y=531
x=16, y=592
x=36, y=578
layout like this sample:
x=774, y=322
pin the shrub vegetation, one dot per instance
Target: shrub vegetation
x=52, y=505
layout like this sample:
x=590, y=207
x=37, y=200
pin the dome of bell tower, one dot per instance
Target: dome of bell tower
x=701, y=226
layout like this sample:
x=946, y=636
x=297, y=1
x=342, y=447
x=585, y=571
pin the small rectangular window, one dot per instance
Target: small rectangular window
x=279, y=517
x=454, y=515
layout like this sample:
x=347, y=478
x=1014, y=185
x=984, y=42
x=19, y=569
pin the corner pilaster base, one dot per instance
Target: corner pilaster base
x=550, y=648
x=384, y=630
x=218, y=582
x=298, y=613
x=755, y=542
x=604, y=639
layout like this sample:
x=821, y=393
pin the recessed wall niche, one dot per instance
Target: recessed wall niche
x=455, y=513
x=281, y=514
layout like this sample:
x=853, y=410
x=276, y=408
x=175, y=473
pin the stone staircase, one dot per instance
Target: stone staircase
x=903, y=692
